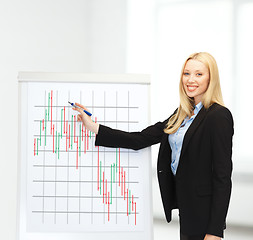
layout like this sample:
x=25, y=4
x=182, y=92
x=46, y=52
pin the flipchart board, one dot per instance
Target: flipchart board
x=68, y=187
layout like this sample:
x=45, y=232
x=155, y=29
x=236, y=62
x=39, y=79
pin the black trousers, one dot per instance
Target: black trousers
x=195, y=237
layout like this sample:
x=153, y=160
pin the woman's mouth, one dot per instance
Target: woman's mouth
x=191, y=88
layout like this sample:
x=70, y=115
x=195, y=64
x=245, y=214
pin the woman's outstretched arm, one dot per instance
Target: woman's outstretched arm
x=108, y=137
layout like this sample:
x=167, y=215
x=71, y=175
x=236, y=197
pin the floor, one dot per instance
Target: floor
x=165, y=231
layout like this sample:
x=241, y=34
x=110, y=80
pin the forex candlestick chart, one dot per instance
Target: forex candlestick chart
x=76, y=139
x=73, y=183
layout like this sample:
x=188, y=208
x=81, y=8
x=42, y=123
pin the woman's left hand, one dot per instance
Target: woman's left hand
x=211, y=237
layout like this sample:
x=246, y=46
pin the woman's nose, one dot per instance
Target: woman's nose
x=191, y=78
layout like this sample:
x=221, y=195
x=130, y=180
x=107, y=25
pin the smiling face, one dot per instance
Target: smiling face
x=195, y=79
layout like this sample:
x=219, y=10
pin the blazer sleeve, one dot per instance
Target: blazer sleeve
x=109, y=137
x=222, y=131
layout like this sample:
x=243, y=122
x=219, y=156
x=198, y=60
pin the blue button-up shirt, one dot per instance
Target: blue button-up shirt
x=176, y=139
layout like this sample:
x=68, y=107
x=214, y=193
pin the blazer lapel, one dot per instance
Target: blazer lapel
x=196, y=122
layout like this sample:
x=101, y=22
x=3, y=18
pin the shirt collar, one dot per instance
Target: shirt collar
x=196, y=111
x=198, y=108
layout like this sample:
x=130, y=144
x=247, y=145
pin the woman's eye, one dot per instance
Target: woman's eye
x=186, y=73
x=199, y=74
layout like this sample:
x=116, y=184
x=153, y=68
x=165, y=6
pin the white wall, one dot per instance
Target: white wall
x=56, y=36
x=107, y=36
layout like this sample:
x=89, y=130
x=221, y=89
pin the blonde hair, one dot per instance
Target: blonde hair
x=212, y=95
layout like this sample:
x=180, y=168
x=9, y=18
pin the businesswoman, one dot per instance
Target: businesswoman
x=194, y=161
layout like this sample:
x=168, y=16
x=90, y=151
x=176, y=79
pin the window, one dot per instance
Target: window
x=224, y=29
x=243, y=86
x=185, y=27
x=173, y=29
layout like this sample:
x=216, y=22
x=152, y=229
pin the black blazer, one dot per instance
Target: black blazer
x=201, y=188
